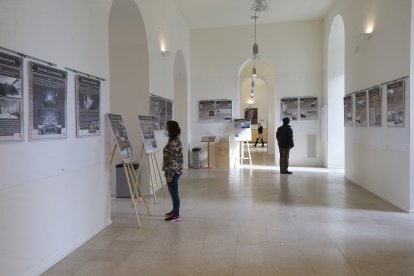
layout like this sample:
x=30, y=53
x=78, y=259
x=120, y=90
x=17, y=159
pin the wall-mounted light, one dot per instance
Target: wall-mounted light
x=166, y=53
x=365, y=35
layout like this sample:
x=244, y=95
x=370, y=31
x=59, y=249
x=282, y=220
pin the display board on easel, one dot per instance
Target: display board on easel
x=243, y=134
x=128, y=156
x=150, y=146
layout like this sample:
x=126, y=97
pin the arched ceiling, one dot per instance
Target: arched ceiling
x=224, y=13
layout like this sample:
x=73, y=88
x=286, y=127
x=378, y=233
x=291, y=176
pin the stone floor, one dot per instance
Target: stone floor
x=253, y=222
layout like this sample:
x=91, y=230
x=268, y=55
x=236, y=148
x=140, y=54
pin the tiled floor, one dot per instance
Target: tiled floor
x=254, y=222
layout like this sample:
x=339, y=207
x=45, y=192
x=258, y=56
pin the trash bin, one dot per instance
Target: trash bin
x=195, y=164
x=122, y=189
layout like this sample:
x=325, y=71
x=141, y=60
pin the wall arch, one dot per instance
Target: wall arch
x=335, y=157
x=266, y=84
x=129, y=70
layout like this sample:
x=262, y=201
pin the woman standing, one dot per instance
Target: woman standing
x=173, y=167
x=260, y=134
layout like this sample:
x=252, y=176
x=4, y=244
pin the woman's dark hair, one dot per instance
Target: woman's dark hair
x=174, y=129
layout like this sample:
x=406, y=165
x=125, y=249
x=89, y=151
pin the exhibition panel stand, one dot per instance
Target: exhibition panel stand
x=208, y=140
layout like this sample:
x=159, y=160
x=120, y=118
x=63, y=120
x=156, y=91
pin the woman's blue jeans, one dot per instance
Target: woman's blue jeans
x=173, y=189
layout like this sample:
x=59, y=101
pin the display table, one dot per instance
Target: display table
x=208, y=140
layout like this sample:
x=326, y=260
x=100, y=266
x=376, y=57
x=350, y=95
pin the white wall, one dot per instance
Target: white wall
x=294, y=50
x=411, y=104
x=376, y=158
x=54, y=194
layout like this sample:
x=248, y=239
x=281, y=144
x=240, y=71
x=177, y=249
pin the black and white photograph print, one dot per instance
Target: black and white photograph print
x=10, y=87
x=361, y=109
x=11, y=98
x=147, y=132
x=169, y=110
x=48, y=102
x=206, y=111
x=375, y=105
x=121, y=137
x=158, y=112
x=223, y=111
x=348, y=111
x=88, y=106
x=289, y=107
x=308, y=108
x=395, y=104
x=242, y=130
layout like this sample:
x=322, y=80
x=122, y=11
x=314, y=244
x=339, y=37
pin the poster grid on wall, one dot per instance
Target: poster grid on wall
x=348, y=111
x=121, y=137
x=215, y=111
x=242, y=130
x=308, y=107
x=47, y=102
x=395, y=104
x=11, y=98
x=289, y=107
x=161, y=110
x=361, y=109
x=375, y=106
x=147, y=132
x=88, y=121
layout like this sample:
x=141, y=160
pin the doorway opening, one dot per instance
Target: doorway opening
x=257, y=103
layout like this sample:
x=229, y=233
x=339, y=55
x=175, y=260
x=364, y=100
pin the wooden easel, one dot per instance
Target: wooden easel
x=134, y=186
x=241, y=143
x=155, y=173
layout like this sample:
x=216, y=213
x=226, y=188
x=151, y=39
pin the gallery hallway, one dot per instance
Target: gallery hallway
x=254, y=222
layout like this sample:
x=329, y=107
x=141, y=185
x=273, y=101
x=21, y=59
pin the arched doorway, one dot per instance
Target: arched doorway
x=335, y=157
x=263, y=102
x=181, y=100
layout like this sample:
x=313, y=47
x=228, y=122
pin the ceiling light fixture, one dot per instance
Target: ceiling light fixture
x=254, y=75
x=166, y=53
x=259, y=6
x=255, y=45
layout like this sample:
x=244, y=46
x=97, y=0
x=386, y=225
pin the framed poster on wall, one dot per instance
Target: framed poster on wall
x=169, y=110
x=88, y=121
x=161, y=110
x=348, y=110
x=395, y=104
x=289, y=107
x=251, y=114
x=48, y=102
x=374, y=106
x=223, y=111
x=206, y=111
x=215, y=111
x=361, y=109
x=308, y=108
x=11, y=98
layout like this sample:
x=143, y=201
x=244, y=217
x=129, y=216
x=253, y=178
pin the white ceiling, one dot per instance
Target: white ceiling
x=223, y=13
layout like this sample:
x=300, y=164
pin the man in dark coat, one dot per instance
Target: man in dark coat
x=284, y=136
